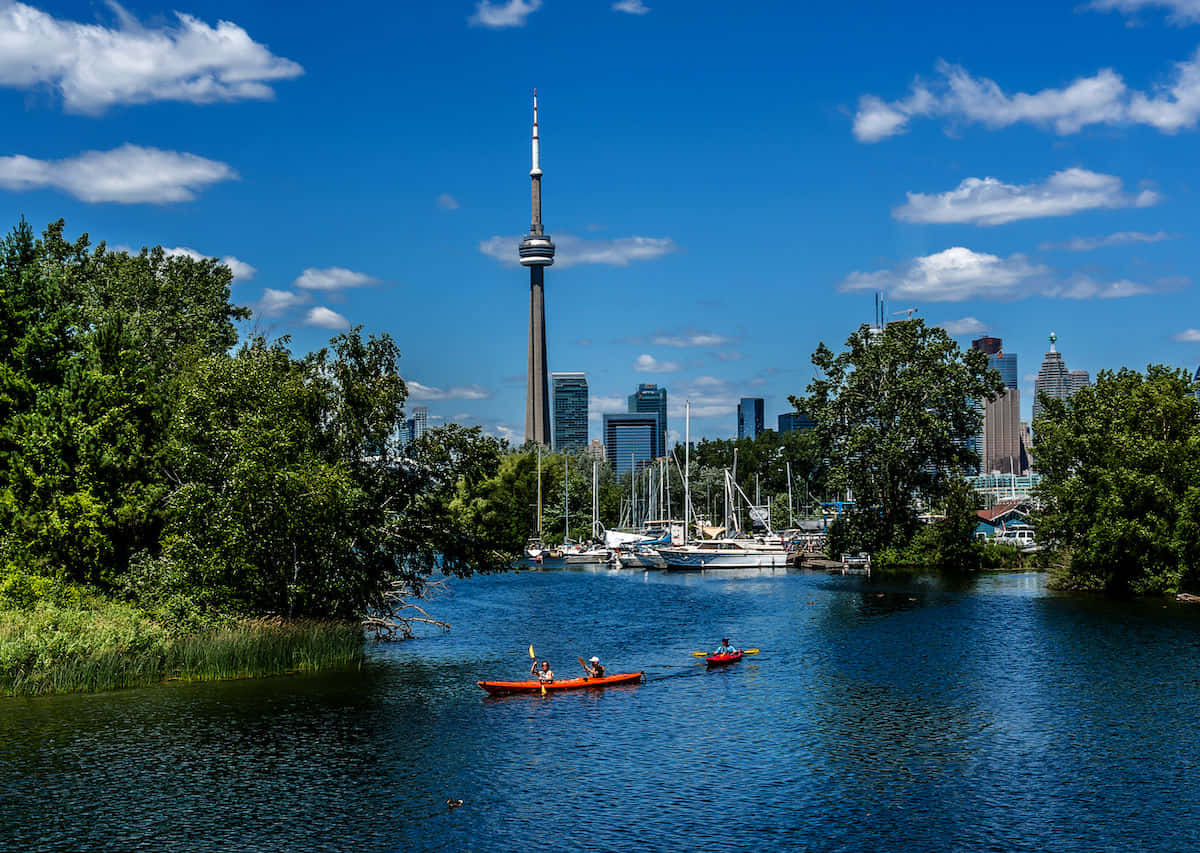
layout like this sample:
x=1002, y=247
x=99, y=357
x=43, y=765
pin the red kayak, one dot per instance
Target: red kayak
x=498, y=687
x=721, y=660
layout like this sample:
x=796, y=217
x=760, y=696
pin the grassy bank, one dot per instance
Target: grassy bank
x=95, y=645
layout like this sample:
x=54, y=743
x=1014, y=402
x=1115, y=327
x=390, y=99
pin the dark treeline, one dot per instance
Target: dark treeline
x=148, y=455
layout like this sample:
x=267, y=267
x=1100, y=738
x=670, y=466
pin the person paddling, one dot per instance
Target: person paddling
x=545, y=675
x=726, y=648
x=595, y=669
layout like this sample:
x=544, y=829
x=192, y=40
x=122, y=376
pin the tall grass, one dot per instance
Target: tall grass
x=107, y=646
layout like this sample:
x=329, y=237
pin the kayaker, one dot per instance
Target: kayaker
x=595, y=668
x=545, y=674
x=725, y=649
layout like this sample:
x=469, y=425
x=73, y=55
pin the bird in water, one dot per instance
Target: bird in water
x=453, y=803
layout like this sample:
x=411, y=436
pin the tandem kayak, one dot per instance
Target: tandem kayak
x=497, y=687
x=721, y=660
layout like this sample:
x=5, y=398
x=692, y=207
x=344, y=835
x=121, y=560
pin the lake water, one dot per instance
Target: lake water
x=918, y=715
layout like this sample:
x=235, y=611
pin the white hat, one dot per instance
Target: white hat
x=594, y=659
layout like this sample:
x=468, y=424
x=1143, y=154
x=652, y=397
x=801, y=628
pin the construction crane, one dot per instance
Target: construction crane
x=907, y=312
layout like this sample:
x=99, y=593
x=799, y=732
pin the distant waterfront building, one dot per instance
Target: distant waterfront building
x=999, y=441
x=750, y=417
x=795, y=422
x=570, y=411
x=1053, y=379
x=418, y=424
x=651, y=398
x=996, y=488
x=1078, y=379
x=630, y=440
x=1196, y=380
x=596, y=450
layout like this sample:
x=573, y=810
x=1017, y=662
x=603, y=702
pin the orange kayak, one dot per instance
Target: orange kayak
x=497, y=687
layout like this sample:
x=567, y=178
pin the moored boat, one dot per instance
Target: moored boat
x=721, y=660
x=726, y=554
x=499, y=687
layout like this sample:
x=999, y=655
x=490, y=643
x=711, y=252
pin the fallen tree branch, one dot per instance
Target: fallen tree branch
x=399, y=614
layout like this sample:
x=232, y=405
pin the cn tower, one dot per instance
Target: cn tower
x=537, y=253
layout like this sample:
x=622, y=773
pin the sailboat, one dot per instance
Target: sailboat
x=592, y=552
x=535, y=550
x=735, y=552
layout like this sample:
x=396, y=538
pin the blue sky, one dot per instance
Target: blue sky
x=728, y=184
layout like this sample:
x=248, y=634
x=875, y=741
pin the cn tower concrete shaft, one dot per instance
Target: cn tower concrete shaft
x=537, y=389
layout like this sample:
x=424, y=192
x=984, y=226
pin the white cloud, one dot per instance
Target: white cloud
x=689, y=338
x=445, y=201
x=576, y=250
x=417, y=391
x=333, y=278
x=632, y=7
x=601, y=404
x=277, y=302
x=495, y=15
x=987, y=201
x=1190, y=336
x=241, y=270
x=1102, y=98
x=95, y=67
x=125, y=175
x=965, y=326
x=326, y=319
x=1121, y=238
x=959, y=274
x=1180, y=11
x=647, y=363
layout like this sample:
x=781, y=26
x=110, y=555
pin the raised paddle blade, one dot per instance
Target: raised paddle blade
x=749, y=651
x=582, y=663
x=531, y=654
x=700, y=654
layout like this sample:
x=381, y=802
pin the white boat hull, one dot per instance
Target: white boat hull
x=689, y=559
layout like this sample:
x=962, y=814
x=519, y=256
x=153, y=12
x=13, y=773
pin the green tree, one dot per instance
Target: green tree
x=894, y=415
x=1120, y=463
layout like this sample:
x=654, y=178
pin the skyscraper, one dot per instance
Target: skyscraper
x=999, y=443
x=570, y=411
x=537, y=252
x=651, y=398
x=1078, y=379
x=1053, y=379
x=630, y=439
x=750, y=417
x=794, y=422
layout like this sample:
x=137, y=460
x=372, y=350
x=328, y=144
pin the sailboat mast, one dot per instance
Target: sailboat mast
x=539, y=490
x=566, y=498
x=595, y=504
x=687, y=465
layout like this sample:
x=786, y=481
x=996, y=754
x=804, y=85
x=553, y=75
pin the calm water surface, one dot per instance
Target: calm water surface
x=923, y=715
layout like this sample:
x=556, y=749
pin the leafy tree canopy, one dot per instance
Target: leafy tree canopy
x=1120, y=462
x=894, y=413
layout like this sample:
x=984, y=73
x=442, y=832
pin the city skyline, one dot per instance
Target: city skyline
x=706, y=250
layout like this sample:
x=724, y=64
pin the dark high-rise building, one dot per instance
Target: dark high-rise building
x=1077, y=379
x=989, y=345
x=795, y=421
x=750, y=417
x=630, y=440
x=537, y=252
x=570, y=411
x=651, y=398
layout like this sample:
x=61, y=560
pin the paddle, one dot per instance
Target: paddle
x=583, y=664
x=709, y=654
x=532, y=655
